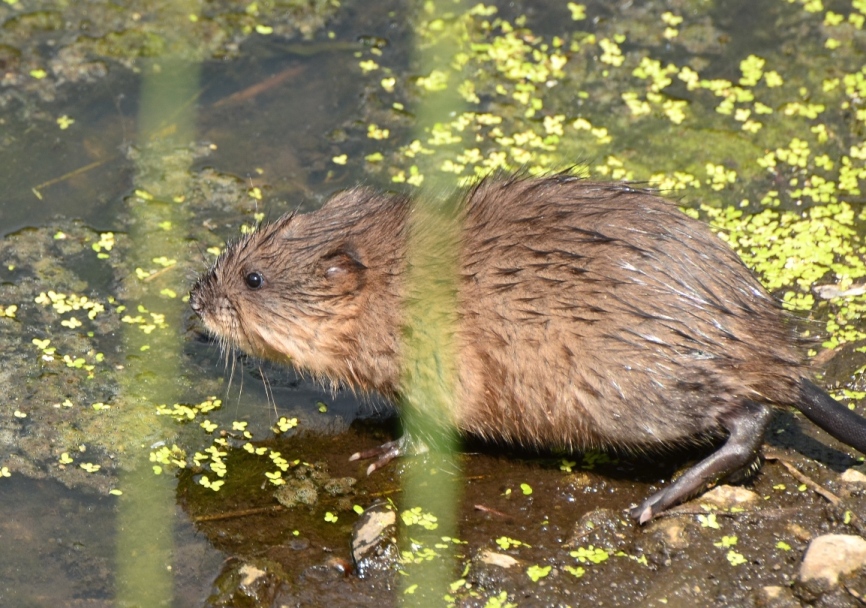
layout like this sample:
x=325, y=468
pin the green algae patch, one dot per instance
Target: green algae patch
x=91, y=37
x=61, y=356
x=69, y=292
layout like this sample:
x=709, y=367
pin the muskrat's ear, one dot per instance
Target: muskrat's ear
x=343, y=268
x=351, y=200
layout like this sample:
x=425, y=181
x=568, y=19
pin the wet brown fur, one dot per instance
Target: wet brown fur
x=590, y=314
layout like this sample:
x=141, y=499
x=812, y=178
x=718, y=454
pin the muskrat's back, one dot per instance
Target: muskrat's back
x=598, y=315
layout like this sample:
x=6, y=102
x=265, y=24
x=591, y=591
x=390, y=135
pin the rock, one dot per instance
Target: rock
x=497, y=559
x=853, y=476
x=249, y=575
x=374, y=540
x=601, y=528
x=493, y=570
x=799, y=532
x=244, y=584
x=330, y=570
x=831, y=555
x=674, y=534
x=774, y=596
x=827, y=558
x=663, y=538
x=726, y=496
x=578, y=480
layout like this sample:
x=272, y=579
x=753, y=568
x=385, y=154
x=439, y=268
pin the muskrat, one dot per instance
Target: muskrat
x=589, y=315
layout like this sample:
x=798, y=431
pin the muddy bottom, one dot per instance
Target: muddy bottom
x=533, y=530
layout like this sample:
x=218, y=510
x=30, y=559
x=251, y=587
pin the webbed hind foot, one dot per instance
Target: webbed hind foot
x=746, y=427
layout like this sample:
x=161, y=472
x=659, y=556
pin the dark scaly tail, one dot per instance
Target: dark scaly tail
x=832, y=416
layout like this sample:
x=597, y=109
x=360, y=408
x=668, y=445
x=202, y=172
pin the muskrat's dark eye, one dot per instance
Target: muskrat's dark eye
x=254, y=280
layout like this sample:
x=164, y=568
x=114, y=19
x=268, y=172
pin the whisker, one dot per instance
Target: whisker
x=268, y=390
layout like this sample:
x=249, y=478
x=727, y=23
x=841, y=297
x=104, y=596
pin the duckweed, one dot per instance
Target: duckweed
x=537, y=573
x=709, y=521
x=575, y=571
x=416, y=516
x=595, y=555
x=506, y=543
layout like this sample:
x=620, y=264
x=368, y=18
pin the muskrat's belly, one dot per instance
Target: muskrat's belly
x=532, y=400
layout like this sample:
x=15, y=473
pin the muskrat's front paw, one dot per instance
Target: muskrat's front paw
x=385, y=453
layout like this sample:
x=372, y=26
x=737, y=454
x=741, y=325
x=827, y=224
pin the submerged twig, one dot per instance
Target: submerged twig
x=261, y=87
x=805, y=480
x=491, y=511
x=855, y=594
x=36, y=189
x=240, y=513
x=852, y=518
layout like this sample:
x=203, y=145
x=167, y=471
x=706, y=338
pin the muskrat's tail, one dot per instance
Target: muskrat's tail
x=832, y=416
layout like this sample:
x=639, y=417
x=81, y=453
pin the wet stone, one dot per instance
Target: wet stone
x=493, y=570
x=674, y=534
x=799, y=532
x=663, y=539
x=250, y=574
x=331, y=570
x=775, y=596
x=243, y=584
x=374, y=540
x=853, y=476
x=602, y=528
x=726, y=496
x=828, y=559
x=493, y=558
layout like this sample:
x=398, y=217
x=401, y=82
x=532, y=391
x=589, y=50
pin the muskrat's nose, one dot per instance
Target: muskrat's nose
x=195, y=302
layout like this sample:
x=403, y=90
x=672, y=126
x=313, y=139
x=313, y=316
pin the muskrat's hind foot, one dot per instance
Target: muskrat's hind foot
x=389, y=451
x=745, y=428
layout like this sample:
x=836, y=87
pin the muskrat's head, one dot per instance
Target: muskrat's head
x=319, y=290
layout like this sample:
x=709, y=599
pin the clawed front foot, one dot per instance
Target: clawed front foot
x=387, y=452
